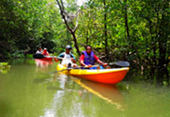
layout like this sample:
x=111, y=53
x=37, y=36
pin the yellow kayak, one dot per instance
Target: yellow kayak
x=108, y=76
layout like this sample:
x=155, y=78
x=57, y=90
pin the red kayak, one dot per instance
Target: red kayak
x=49, y=58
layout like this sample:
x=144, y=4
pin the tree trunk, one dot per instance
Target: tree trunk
x=126, y=21
x=105, y=29
x=87, y=39
x=163, y=36
x=72, y=31
x=75, y=43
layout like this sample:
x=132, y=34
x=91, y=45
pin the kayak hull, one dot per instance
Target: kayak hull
x=42, y=57
x=108, y=76
x=47, y=58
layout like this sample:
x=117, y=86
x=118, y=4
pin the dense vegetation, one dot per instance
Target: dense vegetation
x=133, y=30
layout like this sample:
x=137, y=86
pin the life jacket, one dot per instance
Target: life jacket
x=66, y=59
x=89, y=59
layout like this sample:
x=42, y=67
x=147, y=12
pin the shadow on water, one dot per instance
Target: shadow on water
x=6, y=107
x=159, y=76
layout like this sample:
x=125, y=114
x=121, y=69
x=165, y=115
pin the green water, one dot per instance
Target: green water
x=29, y=90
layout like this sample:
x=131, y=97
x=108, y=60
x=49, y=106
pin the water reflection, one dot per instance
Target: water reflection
x=58, y=97
x=43, y=63
x=76, y=97
x=24, y=92
x=109, y=93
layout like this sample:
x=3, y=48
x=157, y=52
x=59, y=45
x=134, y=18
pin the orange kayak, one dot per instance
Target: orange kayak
x=108, y=76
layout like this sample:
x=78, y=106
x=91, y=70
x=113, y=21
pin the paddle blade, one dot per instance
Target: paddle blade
x=121, y=63
x=59, y=71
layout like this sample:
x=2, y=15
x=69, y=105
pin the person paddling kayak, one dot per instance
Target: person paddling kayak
x=39, y=51
x=38, y=54
x=67, y=58
x=88, y=58
x=45, y=52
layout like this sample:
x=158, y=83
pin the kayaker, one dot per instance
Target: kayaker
x=67, y=58
x=88, y=59
x=45, y=52
x=39, y=51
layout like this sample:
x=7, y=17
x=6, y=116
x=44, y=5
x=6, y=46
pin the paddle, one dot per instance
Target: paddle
x=120, y=63
x=64, y=69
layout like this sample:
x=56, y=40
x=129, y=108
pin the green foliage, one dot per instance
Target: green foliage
x=148, y=23
x=26, y=25
x=4, y=67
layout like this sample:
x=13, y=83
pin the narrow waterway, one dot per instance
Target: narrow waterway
x=28, y=89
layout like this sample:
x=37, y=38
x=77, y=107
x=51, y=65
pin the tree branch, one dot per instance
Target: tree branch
x=76, y=21
x=61, y=7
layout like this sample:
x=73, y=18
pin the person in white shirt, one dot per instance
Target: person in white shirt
x=39, y=51
x=67, y=58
